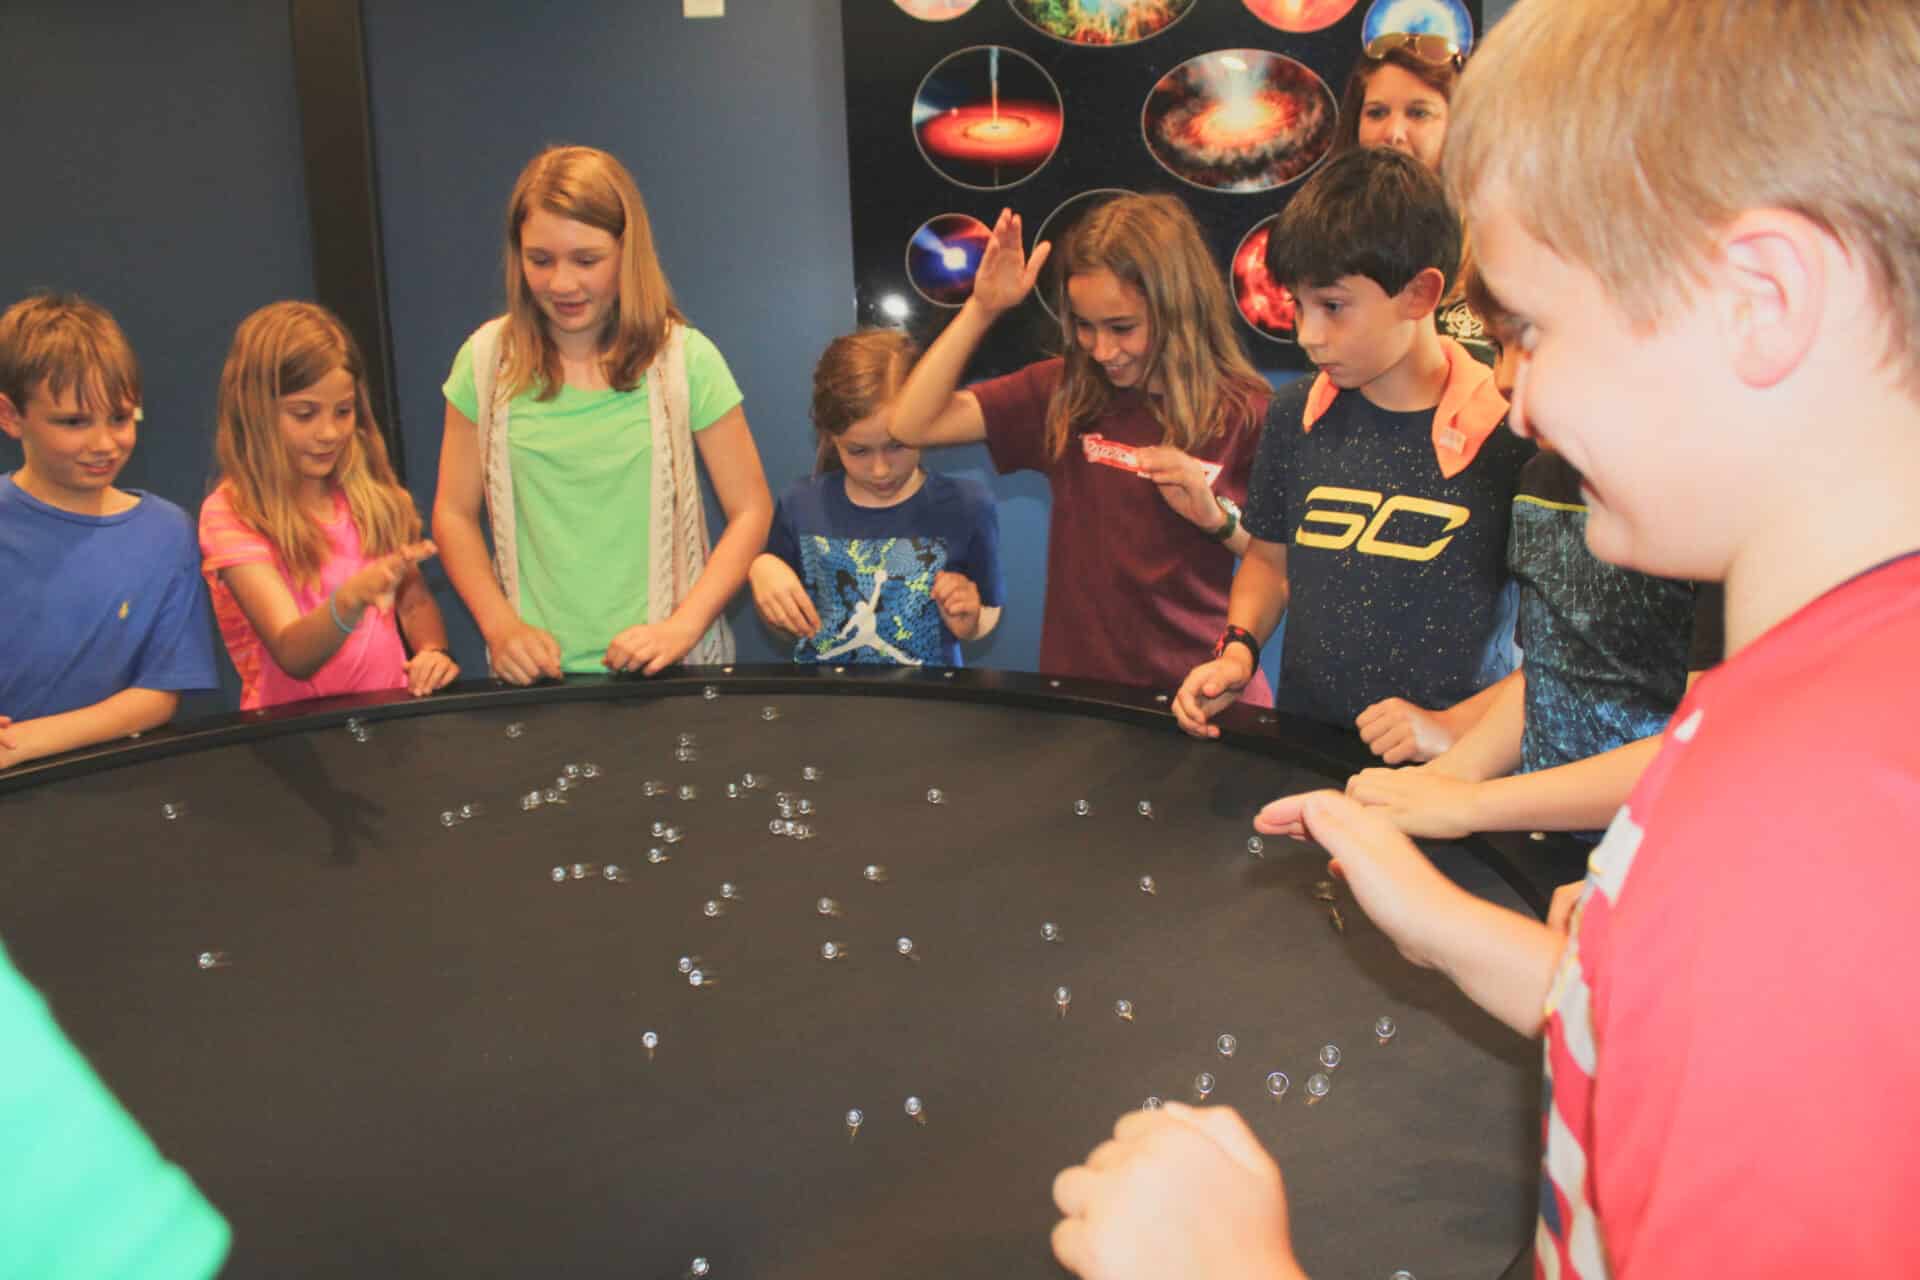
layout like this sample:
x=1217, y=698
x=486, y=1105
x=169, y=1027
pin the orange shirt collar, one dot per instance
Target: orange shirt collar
x=1470, y=408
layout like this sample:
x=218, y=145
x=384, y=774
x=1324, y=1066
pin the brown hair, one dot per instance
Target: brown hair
x=1441, y=77
x=1153, y=244
x=591, y=187
x=278, y=351
x=1788, y=104
x=1480, y=300
x=857, y=375
x=60, y=340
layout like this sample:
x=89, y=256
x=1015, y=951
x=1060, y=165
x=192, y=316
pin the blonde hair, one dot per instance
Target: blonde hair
x=590, y=187
x=61, y=340
x=1153, y=244
x=1792, y=104
x=278, y=351
x=857, y=375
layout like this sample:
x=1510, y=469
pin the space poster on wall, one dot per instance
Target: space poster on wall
x=959, y=108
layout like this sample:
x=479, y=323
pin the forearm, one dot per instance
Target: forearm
x=726, y=570
x=127, y=712
x=1259, y=598
x=935, y=377
x=989, y=619
x=1487, y=730
x=308, y=643
x=463, y=553
x=419, y=615
x=1501, y=960
x=1582, y=796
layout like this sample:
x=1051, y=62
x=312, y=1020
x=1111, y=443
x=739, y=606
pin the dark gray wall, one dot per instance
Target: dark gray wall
x=153, y=165
x=735, y=130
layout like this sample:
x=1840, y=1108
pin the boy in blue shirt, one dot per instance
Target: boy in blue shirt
x=1381, y=492
x=874, y=559
x=107, y=614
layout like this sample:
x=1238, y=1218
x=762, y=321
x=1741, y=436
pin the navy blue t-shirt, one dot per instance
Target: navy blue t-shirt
x=1607, y=649
x=1397, y=573
x=870, y=570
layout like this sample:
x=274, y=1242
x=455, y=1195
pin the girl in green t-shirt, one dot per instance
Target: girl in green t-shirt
x=573, y=423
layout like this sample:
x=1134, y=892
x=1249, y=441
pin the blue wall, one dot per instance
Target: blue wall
x=153, y=165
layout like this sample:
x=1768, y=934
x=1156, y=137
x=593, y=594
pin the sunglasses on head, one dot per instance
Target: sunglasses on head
x=1426, y=46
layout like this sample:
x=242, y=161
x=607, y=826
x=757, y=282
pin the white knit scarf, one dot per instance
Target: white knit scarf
x=678, y=539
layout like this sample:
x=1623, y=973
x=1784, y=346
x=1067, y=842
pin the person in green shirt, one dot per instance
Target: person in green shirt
x=83, y=1192
x=572, y=425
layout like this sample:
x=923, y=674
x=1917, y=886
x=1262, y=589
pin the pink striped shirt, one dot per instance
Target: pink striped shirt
x=1732, y=1041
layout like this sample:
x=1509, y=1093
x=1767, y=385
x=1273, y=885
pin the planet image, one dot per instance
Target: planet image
x=935, y=10
x=1299, y=15
x=987, y=117
x=1447, y=18
x=943, y=255
x=1102, y=22
x=1266, y=307
x=1239, y=120
x=1059, y=225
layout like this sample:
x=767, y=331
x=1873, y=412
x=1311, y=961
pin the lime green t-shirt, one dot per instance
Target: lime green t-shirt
x=83, y=1192
x=583, y=496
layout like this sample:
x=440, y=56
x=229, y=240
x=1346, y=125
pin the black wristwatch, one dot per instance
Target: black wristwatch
x=1226, y=531
x=1238, y=635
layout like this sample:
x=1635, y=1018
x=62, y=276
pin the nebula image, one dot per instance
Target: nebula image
x=935, y=10
x=943, y=255
x=1059, y=225
x=1264, y=305
x=987, y=117
x=1447, y=18
x=1299, y=15
x=1239, y=120
x=1103, y=21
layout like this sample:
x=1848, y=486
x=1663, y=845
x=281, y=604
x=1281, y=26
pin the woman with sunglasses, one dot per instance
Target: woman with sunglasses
x=1397, y=97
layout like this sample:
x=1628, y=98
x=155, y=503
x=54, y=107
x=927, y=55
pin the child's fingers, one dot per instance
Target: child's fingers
x=1284, y=817
x=547, y=651
x=1370, y=721
x=1041, y=252
x=1560, y=910
x=809, y=617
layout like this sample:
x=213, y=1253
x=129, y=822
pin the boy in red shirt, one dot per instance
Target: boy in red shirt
x=1719, y=295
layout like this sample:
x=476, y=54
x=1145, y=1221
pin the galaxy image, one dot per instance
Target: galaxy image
x=943, y=255
x=1102, y=21
x=1264, y=305
x=1299, y=15
x=1447, y=18
x=1239, y=120
x=1059, y=225
x=935, y=10
x=987, y=117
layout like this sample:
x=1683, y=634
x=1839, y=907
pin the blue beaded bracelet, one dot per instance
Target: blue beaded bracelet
x=345, y=630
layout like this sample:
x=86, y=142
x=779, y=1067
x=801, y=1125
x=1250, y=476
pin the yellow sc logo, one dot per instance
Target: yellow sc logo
x=1336, y=530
